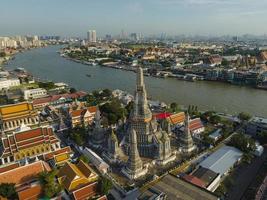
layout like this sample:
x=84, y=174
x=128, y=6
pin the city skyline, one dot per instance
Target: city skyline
x=173, y=17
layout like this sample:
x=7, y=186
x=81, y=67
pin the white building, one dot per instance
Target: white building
x=91, y=36
x=98, y=162
x=34, y=93
x=5, y=84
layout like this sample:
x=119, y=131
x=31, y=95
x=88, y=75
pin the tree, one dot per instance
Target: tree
x=47, y=180
x=113, y=111
x=225, y=62
x=174, y=107
x=243, y=143
x=243, y=116
x=106, y=92
x=73, y=90
x=215, y=119
x=8, y=190
x=105, y=185
x=247, y=157
x=84, y=158
x=263, y=137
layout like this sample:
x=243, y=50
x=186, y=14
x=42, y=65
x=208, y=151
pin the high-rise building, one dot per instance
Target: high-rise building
x=91, y=36
x=187, y=143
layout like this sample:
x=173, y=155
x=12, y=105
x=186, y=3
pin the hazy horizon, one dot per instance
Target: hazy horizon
x=173, y=17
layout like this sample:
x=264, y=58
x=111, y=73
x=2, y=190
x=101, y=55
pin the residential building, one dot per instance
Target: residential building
x=57, y=100
x=27, y=143
x=83, y=116
x=34, y=93
x=256, y=125
x=216, y=135
x=5, y=83
x=196, y=126
x=12, y=116
x=78, y=180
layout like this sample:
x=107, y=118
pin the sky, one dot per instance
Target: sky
x=150, y=17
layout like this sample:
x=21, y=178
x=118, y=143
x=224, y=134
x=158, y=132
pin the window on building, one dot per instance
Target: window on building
x=11, y=158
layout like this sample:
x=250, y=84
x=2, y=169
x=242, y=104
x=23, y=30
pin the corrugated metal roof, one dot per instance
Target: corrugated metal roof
x=222, y=160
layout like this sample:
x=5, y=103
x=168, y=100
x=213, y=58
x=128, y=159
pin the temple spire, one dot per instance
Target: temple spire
x=134, y=167
x=186, y=139
x=140, y=77
x=141, y=108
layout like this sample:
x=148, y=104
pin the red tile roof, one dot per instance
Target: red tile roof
x=47, y=100
x=162, y=115
x=22, y=140
x=194, y=180
x=9, y=167
x=85, y=192
x=51, y=155
x=195, y=124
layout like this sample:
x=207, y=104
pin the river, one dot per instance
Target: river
x=46, y=63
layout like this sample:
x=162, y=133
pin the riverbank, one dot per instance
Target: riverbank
x=160, y=74
x=47, y=64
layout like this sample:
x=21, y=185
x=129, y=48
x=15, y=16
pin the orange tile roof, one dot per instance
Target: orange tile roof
x=177, y=118
x=78, y=113
x=24, y=174
x=92, y=109
x=31, y=193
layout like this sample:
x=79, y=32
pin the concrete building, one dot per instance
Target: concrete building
x=34, y=93
x=91, y=36
x=222, y=160
x=5, y=84
x=256, y=125
x=98, y=162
